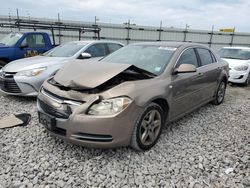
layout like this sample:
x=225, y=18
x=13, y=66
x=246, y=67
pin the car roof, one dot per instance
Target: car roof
x=237, y=47
x=171, y=44
x=95, y=41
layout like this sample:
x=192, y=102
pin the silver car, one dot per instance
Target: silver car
x=24, y=77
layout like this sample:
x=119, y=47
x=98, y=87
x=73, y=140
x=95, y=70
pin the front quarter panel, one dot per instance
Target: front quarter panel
x=142, y=91
x=7, y=53
x=224, y=69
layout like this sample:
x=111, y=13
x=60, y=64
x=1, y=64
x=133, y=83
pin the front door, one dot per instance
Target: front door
x=185, y=86
x=32, y=44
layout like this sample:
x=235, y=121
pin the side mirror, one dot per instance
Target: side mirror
x=25, y=45
x=185, y=68
x=85, y=55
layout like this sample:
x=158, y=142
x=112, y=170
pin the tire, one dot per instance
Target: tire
x=147, y=127
x=2, y=63
x=220, y=93
x=247, y=80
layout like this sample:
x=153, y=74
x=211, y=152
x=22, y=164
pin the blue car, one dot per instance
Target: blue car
x=17, y=45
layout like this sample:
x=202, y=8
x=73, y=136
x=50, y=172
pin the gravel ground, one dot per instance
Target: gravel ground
x=208, y=148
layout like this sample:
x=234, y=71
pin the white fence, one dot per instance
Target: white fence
x=133, y=33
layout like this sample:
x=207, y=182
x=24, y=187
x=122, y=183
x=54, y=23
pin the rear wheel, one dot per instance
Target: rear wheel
x=220, y=93
x=148, y=127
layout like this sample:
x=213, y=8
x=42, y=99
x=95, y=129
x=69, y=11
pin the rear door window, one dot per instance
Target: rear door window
x=34, y=41
x=205, y=56
x=187, y=57
x=113, y=47
x=97, y=50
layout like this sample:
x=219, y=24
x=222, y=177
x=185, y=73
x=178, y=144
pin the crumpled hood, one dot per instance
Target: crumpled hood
x=236, y=62
x=32, y=63
x=87, y=74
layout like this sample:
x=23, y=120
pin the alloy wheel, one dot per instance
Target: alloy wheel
x=150, y=127
x=221, y=92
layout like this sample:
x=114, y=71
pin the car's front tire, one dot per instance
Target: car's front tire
x=148, y=127
x=220, y=93
x=2, y=64
x=247, y=80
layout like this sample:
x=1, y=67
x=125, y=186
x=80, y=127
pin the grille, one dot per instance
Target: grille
x=64, y=114
x=92, y=137
x=45, y=91
x=7, y=74
x=9, y=85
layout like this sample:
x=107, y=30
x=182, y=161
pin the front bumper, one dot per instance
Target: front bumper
x=92, y=131
x=238, y=76
x=20, y=86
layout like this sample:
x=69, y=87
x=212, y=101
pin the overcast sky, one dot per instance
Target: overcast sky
x=198, y=14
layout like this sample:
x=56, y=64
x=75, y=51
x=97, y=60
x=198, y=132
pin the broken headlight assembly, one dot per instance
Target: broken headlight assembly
x=109, y=106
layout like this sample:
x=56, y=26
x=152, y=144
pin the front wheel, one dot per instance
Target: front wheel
x=2, y=64
x=220, y=93
x=148, y=128
x=247, y=80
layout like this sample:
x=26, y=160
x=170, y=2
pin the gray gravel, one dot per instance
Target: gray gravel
x=208, y=148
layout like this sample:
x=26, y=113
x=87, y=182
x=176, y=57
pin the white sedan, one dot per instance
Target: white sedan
x=24, y=77
x=238, y=59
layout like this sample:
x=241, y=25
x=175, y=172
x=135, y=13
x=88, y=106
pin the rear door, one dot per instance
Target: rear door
x=185, y=86
x=209, y=71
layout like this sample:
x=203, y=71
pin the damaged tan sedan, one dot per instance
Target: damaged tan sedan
x=127, y=97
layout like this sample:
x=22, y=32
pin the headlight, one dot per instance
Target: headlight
x=109, y=106
x=31, y=72
x=241, y=68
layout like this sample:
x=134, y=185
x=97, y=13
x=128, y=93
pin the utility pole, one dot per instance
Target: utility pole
x=28, y=14
x=95, y=20
x=160, y=30
x=95, y=25
x=185, y=32
x=211, y=36
x=10, y=19
x=128, y=24
x=17, y=15
x=128, y=31
x=232, y=39
x=59, y=30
